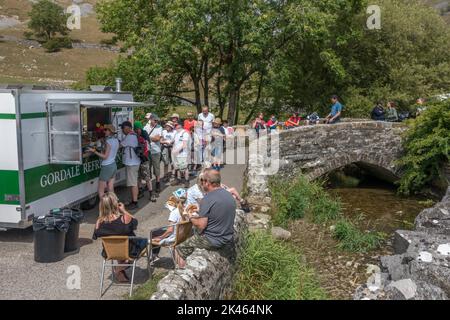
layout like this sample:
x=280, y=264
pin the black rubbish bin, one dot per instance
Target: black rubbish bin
x=49, y=236
x=74, y=217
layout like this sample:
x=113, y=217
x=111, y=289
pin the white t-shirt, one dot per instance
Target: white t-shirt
x=174, y=218
x=155, y=147
x=169, y=136
x=207, y=121
x=129, y=156
x=114, y=147
x=178, y=143
x=194, y=195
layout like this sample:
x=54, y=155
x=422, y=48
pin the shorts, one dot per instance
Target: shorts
x=144, y=172
x=155, y=163
x=132, y=175
x=335, y=121
x=166, y=156
x=108, y=172
x=180, y=163
x=186, y=248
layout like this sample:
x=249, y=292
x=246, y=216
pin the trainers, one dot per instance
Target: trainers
x=152, y=197
x=132, y=206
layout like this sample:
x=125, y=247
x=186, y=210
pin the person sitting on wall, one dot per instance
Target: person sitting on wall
x=259, y=124
x=313, y=118
x=272, y=123
x=378, y=112
x=336, y=111
x=293, y=121
x=391, y=112
x=215, y=221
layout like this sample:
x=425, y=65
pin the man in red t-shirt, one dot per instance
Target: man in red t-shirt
x=190, y=122
x=293, y=121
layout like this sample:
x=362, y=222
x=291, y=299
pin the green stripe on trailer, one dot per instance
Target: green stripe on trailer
x=9, y=187
x=7, y=116
x=49, y=179
x=34, y=115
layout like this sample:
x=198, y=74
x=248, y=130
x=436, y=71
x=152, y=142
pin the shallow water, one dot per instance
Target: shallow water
x=379, y=207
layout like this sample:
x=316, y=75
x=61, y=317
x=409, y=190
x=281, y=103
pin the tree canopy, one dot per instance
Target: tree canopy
x=276, y=55
x=47, y=19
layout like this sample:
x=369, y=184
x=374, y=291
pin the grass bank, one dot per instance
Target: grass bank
x=146, y=290
x=299, y=198
x=270, y=269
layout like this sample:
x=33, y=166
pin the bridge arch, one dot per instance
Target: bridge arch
x=320, y=149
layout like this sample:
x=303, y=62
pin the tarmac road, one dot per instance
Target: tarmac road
x=23, y=278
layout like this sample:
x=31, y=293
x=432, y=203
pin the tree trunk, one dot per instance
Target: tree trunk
x=198, y=101
x=206, y=83
x=232, y=105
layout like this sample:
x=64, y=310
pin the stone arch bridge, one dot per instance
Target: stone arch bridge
x=320, y=149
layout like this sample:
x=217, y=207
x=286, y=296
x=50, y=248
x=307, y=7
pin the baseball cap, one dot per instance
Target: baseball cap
x=175, y=115
x=148, y=115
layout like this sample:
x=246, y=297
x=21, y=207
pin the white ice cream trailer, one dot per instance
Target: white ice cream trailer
x=43, y=135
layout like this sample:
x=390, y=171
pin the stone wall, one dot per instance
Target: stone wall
x=207, y=276
x=420, y=268
x=317, y=150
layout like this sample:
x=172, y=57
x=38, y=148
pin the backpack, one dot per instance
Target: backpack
x=142, y=149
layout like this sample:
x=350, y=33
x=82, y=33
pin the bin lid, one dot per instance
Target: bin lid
x=50, y=223
x=71, y=214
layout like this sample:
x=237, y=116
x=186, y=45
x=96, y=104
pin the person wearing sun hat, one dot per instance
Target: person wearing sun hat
x=175, y=118
x=108, y=157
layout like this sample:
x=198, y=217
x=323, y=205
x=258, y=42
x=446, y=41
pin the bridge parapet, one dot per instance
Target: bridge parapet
x=319, y=149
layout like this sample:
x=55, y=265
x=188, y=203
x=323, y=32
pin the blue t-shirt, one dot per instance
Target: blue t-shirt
x=335, y=108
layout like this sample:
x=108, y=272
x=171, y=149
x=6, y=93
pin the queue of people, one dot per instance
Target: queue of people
x=181, y=149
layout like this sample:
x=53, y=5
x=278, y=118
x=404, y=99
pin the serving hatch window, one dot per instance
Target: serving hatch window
x=64, y=123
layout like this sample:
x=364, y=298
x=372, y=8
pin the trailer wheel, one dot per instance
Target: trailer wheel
x=89, y=204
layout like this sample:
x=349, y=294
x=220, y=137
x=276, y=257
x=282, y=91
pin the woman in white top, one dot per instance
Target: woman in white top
x=109, y=167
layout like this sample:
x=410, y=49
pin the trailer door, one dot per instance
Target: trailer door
x=64, y=127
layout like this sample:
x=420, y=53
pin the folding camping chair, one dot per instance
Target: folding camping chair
x=117, y=248
x=183, y=231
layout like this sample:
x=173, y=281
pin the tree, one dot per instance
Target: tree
x=203, y=48
x=408, y=57
x=427, y=147
x=47, y=19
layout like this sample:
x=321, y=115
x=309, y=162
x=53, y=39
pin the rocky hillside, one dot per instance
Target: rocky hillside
x=25, y=61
